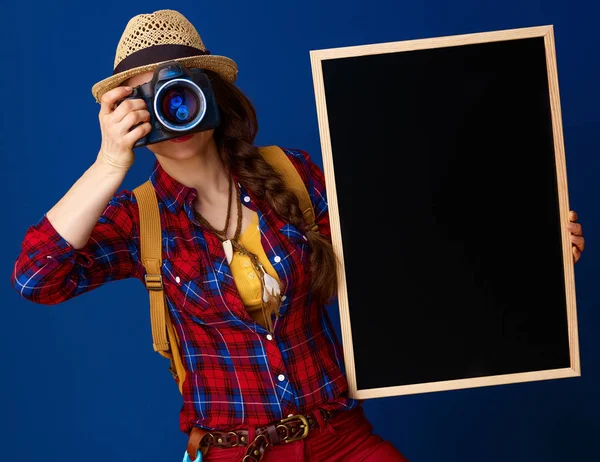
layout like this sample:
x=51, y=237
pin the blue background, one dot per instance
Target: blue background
x=80, y=381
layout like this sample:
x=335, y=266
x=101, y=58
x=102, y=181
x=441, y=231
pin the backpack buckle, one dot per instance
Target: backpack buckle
x=153, y=281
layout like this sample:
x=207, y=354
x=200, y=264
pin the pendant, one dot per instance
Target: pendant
x=271, y=287
x=228, y=247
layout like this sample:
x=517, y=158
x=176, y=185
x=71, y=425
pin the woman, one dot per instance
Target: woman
x=249, y=363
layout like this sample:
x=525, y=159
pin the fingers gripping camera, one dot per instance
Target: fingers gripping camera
x=180, y=101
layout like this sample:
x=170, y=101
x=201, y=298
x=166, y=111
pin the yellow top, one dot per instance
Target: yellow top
x=245, y=276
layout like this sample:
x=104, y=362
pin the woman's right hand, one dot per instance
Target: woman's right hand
x=117, y=141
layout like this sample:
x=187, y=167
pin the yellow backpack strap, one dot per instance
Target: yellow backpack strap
x=275, y=157
x=176, y=366
x=164, y=337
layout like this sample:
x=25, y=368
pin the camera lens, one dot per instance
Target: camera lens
x=180, y=104
x=176, y=101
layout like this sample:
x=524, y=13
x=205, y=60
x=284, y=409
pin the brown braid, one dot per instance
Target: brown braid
x=235, y=140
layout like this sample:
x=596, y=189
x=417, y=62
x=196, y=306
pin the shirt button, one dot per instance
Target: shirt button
x=281, y=377
x=251, y=275
x=245, y=263
x=178, y=280
x=269, y=337
x=277, y=259
x=246, y=199
x=283, y=297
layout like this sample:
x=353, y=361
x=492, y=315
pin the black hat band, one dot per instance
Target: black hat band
x=156, y=54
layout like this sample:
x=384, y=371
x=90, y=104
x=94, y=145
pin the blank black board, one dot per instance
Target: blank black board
x=444, y=166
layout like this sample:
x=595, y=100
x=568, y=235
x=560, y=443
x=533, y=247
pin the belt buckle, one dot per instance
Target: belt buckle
x=304, y=421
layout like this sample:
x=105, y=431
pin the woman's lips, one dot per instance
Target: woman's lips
x=181, y=139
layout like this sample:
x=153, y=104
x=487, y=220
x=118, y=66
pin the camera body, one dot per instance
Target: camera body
x=181, y=101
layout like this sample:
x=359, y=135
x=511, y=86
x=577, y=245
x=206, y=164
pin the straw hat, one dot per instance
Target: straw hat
x=151, y=39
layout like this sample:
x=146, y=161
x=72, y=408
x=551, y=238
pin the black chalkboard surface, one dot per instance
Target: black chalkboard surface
x=446, y=179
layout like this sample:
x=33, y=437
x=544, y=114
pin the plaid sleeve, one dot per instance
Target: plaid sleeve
x=49, y=270
x=314, y=179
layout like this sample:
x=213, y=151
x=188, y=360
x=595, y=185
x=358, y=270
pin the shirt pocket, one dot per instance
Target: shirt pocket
x=297, y=239
x=293, y=234
x=183, y=279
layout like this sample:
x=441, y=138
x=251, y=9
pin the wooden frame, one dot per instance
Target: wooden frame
x=317, y=57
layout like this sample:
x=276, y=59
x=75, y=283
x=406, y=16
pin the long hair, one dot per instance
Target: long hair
x=235, y=139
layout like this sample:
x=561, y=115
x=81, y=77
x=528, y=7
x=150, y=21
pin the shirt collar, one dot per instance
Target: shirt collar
x=174, y=194
x=171, y=192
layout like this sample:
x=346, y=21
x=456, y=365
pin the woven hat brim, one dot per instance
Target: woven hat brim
x=225, y=67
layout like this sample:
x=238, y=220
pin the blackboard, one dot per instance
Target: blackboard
x=447, y=188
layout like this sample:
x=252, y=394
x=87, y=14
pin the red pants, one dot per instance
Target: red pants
x=347, y=437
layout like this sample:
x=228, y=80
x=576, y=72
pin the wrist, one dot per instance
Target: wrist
x=109, y=166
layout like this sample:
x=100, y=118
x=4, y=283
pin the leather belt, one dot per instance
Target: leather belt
x=293, y=428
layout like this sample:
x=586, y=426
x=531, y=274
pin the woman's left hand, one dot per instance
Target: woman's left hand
x=576, y=236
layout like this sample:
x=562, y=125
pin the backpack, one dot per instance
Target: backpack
x=164, y=337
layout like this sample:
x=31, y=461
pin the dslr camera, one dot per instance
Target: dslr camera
x=180, y=101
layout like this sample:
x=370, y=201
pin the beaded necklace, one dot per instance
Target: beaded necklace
x=271, y=299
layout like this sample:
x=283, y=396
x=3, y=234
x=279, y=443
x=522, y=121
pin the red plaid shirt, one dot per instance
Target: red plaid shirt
x=237, y=374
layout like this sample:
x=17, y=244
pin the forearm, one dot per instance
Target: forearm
x=76, y=213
